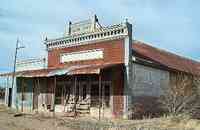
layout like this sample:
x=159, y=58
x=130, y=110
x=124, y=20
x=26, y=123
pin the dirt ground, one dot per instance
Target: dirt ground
x=9, y=121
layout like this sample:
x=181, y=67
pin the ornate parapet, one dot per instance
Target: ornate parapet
x=99, y=34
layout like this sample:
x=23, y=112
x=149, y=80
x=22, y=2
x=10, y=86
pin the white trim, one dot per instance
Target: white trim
x=82, y=55
x=109, y=33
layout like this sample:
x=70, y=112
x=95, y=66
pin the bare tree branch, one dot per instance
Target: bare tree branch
x=182, y=97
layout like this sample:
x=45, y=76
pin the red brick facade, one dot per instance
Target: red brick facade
x=118, y=90
x=113, y=53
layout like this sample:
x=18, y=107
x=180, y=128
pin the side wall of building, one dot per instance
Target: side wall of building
x=8, y=86
x=148, y=85
x=33, y=94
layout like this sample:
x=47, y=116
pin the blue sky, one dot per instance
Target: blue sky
x=173, y=25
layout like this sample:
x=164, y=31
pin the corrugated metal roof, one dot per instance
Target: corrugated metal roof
x=72, y=70
x=77, y=69
x=167, y=59
x=29, y=73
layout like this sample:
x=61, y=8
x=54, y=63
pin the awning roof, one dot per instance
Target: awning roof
x=72, y=70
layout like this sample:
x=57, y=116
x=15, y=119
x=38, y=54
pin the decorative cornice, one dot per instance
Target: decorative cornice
x=101, y=34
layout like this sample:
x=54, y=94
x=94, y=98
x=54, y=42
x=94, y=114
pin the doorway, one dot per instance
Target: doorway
x=59, y=94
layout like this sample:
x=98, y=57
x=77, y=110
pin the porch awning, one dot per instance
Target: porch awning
x=72, y=70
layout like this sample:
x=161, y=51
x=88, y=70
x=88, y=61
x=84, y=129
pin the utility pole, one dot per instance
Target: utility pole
x=14, y=70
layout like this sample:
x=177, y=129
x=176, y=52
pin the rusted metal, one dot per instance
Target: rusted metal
x=167, y=59
x=73, y=70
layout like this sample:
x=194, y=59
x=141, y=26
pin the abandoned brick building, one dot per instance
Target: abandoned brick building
x=96, y=71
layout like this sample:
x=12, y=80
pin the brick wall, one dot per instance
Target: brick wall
x=113, y=53
x=118, y=89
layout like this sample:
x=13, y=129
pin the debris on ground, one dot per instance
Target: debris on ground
x=8, y=121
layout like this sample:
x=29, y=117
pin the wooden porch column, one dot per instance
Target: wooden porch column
x=99, y=96
x=103, y=99
x=54, y=94
x=38, y=89
x=89, y=90
x=22, y=93
x=35, y=93
x=75, y=98
x=80, y=90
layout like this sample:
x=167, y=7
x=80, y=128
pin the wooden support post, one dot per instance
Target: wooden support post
x=22, y=98
x=75, y=96
x=89, y=93
x=33, y=90
x=103, y=99
x=38, y=91
x=54, y=91
x=67, y=95
x=64, y=97
x=79, y=90
x=89, y=90
x=99, y=96
x=7, y=92
x=52, y=95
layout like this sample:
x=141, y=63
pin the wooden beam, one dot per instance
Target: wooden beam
x=54, y=94
x=99, y=96
x=89, y=89
x=75, y=97
x=103, y=99
x=79, y=90
x=38, y=89
x=22, y=93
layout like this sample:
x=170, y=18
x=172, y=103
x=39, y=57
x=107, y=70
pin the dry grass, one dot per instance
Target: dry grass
x=41, y=122
x=179, y=122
